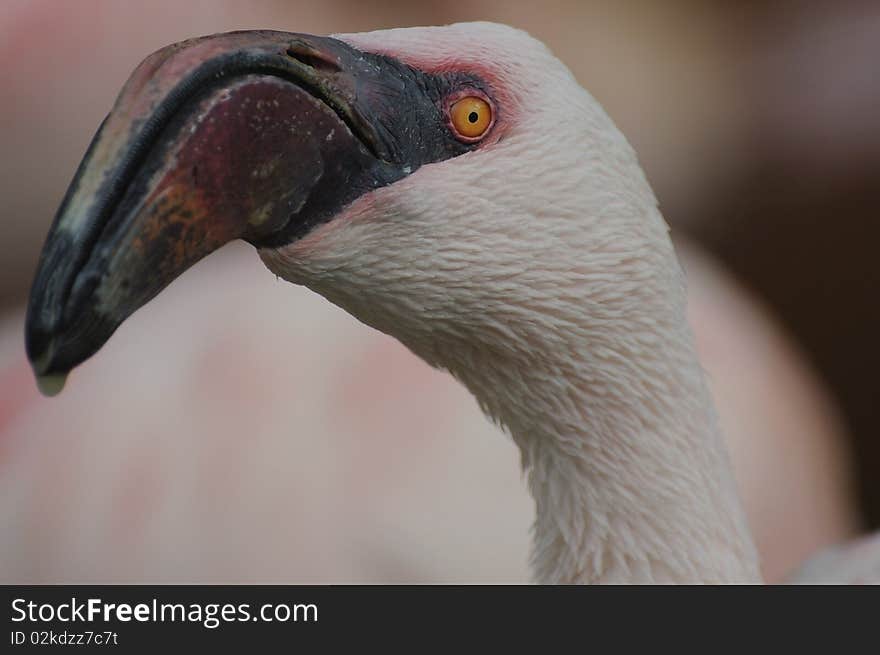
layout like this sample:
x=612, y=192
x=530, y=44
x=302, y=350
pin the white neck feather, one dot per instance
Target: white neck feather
x=629, y=474
x=594, y=373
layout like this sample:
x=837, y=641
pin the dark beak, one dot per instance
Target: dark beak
x=252, y=135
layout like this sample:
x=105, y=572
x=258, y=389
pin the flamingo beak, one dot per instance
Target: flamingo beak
x=251, y=135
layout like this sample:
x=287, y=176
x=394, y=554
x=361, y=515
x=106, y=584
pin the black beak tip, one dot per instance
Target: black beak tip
x=37, y=340
x=40, y=346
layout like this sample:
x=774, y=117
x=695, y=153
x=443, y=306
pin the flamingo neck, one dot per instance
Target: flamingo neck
x=618, y=435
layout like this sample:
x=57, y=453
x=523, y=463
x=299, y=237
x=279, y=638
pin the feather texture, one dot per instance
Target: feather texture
x=539, y=272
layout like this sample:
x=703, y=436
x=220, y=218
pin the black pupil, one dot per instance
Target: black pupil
x=473, y=117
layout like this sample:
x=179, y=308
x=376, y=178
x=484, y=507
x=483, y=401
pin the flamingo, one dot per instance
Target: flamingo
x=492, y=220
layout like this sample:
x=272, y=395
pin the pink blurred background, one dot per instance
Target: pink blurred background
x=241, y=429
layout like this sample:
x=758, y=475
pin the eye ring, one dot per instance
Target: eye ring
x=471, y=115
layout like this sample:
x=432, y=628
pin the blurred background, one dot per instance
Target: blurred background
x=241, y=429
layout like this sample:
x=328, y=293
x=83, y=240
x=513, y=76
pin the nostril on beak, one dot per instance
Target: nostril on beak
x=309, y=56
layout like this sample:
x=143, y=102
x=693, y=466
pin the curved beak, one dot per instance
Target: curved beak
x=252, y=135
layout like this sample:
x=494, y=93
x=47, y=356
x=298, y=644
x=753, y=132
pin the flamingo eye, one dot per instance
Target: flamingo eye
x=471, y=118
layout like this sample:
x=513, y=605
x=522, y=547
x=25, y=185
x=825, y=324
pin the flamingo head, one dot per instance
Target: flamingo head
x=441, y=184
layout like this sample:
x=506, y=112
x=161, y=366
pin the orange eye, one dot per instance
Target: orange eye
x=471, y=117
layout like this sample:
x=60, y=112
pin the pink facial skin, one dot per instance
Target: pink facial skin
x=505, y=105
